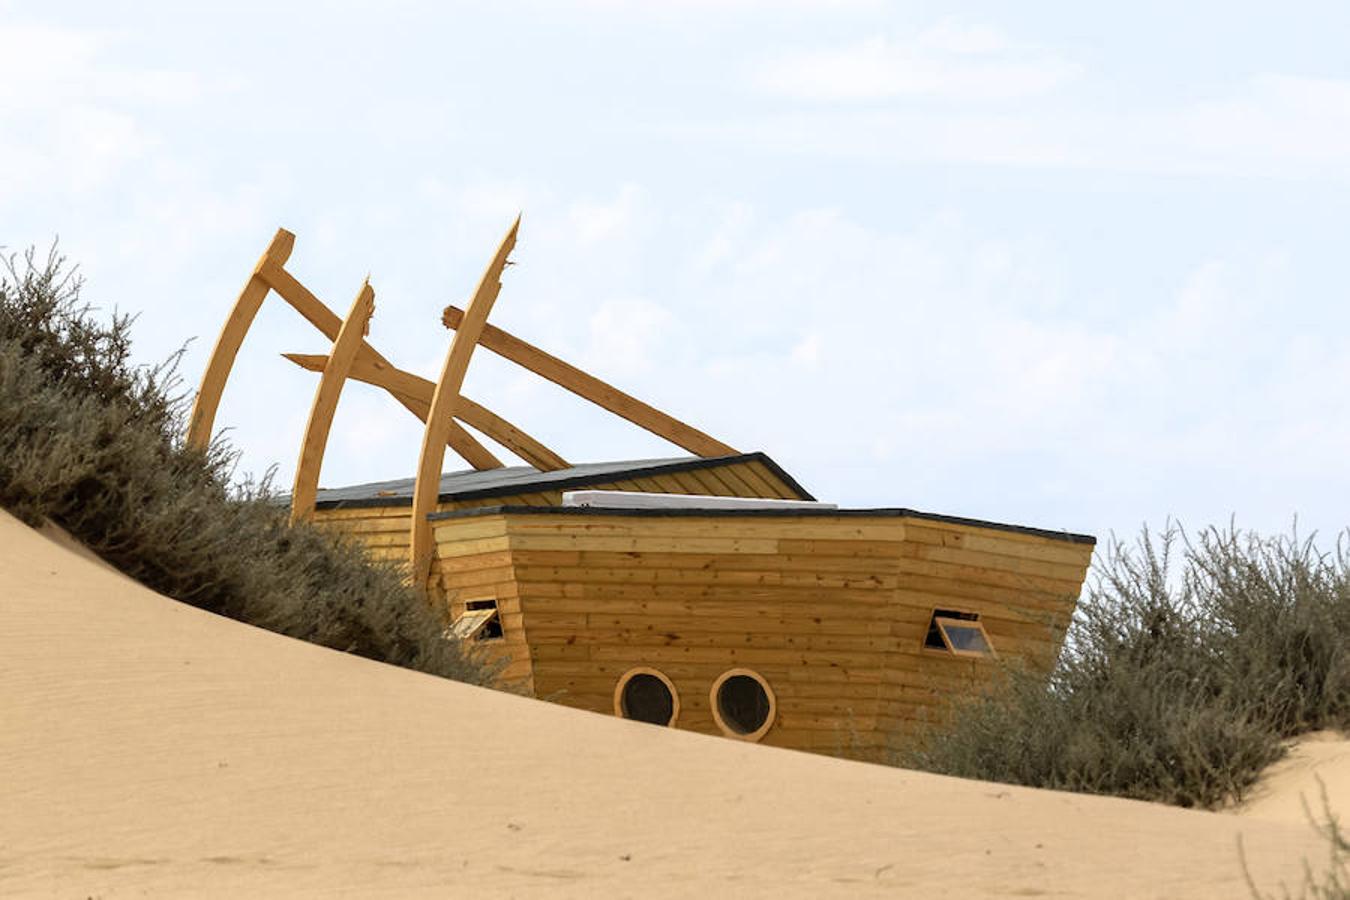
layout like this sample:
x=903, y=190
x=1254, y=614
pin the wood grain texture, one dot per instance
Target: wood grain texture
x=591, y=388
x=326, y=396
x=466, y=571
x=317, y=313
x=207, y=402
x=823, y=608
x=445, y=403
x=826, y=609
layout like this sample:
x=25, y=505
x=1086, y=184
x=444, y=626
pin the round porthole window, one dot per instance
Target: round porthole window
x=646, y=695
x=743, y=704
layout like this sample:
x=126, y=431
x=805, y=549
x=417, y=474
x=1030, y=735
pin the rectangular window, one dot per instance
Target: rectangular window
x=958, y=633
x=480, y=622
x=965, y=638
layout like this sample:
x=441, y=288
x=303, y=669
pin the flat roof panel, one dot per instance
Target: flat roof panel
x=510, y=480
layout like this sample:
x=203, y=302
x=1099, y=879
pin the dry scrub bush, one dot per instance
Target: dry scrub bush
x=1178, y=683
x=92, y=442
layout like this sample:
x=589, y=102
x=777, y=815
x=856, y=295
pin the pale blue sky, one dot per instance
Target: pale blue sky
x=1053, y=264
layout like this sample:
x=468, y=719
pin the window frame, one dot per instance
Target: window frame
x=715, y=704
x=660, y=676
x=478, y=618
x=938, y=620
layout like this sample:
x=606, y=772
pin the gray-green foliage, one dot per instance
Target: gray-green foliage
x=1187, y=665
x=91, y=442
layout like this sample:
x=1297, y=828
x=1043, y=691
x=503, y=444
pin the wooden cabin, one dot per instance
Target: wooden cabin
x=816, y=628
x=709, y=591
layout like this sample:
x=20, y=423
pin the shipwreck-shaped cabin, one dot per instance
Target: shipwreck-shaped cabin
x=708, y=591
x=794, y=624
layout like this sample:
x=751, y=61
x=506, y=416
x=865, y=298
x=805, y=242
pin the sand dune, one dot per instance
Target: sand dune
x=150, y=748
x=1293, y=787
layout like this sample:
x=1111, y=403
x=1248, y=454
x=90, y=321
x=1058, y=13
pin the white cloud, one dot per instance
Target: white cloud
x=669, y=8
x=42, y=66
x=627, y=336
x=735, y=221
x=807, y=352
x=955, y=36
x=945, y=94
x=39, y=64
x=774, y=302
x=593, y=223
x=491, y=199
x=70, y=118
x=923, y=366
x=949, y=61
x=1314, y=96
x=1269, y=126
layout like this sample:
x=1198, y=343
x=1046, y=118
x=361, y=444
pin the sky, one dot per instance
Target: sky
x=1075, y=266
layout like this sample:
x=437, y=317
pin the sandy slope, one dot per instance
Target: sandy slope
x=1294, y=786
x=149, y=748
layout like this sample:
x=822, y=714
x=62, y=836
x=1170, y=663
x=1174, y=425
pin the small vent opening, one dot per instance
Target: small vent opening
x=480, y=622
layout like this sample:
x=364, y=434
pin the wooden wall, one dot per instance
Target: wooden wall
x=1024, y=588
x=386, y=529
x=473, y=562
x=831, y=610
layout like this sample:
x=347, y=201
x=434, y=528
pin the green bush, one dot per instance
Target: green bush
x=92, y=442
x=1187, y=665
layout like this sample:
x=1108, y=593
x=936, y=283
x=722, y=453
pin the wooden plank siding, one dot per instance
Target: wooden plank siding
x=468, y=562
x=385, y=529
x=831, y=610
x=474, y=563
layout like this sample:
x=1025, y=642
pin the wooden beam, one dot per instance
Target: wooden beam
x=203, y=416
x=593, y=389
x=445, y=403
x=409, y=387
x=509, y=436
x=321, y=317
x=470, y=449
x=326, y=397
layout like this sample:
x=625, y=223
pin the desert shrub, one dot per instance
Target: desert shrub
x=1187, y=664
x=92, y=442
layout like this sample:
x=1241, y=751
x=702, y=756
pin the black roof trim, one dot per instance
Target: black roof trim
x=685, y=513
x=366, y=496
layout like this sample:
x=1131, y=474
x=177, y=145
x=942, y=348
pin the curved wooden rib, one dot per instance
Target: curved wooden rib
x=584, y=385
x=321, y=317
x=415, y=393
x=204, y=408
x=325, y=404
x=445, y=403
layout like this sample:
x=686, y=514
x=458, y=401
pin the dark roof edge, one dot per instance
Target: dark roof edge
x=1067, y=536
x=779, y=472
x=688, y=465
x=367, y=502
